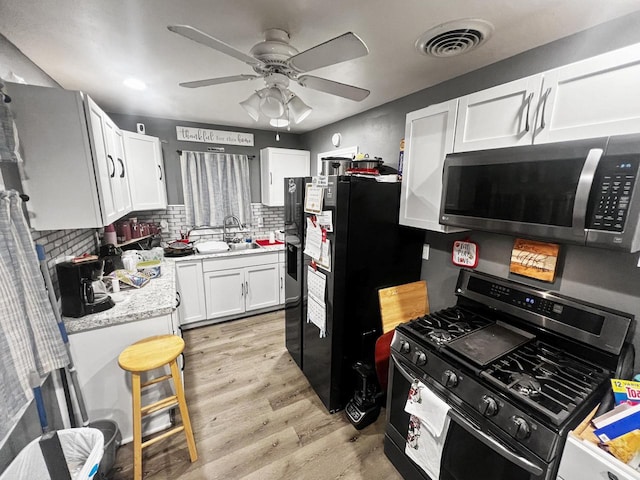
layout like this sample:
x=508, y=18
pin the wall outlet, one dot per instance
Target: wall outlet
x=425, y=251
x=260, y=221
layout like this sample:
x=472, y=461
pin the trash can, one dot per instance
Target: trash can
x=82, y=447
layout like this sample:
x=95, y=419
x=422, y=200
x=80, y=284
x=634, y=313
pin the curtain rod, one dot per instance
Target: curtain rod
x=250, y=157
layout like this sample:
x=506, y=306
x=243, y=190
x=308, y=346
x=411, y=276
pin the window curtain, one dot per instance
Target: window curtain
x=30, y=341
x=215, y=185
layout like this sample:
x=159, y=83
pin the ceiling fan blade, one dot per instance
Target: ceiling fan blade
x=207, y=40
x=217, y=81
x=339, y=49
x=334, y=88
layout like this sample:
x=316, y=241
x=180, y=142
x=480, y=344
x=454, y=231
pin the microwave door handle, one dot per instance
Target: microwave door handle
x=495, y=445
x=582, y=192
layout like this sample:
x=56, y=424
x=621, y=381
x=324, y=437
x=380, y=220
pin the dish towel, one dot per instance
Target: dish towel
x=428, y=426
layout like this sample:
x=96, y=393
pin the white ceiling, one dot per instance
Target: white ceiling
x=93, y=45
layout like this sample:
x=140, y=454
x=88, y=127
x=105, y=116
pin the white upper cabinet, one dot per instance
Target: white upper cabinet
x=70, y=159
x=276, y=164
x=120, y=177
x=146, y=171
x=592, y=98
x=428, y=138
x=501, y=116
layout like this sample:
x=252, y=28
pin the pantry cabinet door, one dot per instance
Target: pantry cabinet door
x=592, y=98
x=224, y=293
x=429, y=134
x=497, y=117
x=262, y=286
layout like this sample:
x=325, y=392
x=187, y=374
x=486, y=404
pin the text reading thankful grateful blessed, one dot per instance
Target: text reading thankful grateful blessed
x=205, y=135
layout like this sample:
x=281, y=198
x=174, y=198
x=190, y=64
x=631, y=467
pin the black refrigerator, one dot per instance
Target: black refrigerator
x=369, y=251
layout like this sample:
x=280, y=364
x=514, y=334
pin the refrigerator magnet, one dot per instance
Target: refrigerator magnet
x=465, y=254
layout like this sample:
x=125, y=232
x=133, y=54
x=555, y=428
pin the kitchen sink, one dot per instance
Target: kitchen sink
x=243, y=246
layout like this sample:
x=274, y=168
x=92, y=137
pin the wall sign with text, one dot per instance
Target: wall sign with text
x=205, y=135
x=465, y=254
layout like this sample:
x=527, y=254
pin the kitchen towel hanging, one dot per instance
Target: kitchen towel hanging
x=428, y=425
x=215, y=185
x=29, y=336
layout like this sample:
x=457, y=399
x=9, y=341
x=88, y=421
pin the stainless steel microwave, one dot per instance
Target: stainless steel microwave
x=581, y=192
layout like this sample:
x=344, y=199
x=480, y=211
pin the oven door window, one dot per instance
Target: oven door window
x=466, y=458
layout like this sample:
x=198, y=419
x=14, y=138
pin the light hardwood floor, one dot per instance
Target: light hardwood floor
x=255, y=416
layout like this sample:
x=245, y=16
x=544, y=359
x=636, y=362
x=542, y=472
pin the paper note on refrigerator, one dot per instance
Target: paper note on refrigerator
x=313, y=199
x=316, y=308
x=325, y=220
x=313, y=240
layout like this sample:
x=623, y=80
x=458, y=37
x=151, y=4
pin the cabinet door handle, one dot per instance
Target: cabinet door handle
x=113, y=165
x=178, y=299
x=246, y=286
x=270, y=178
x=242, y=289
x=281, y=282
x=544, y=108
x=121, y=166
x=529, y=100
x=160, y=169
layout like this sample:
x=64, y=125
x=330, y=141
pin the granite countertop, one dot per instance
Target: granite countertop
x=156, y=298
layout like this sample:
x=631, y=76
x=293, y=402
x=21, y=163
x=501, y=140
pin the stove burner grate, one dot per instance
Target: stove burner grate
x=549, y=380
x=446, y=325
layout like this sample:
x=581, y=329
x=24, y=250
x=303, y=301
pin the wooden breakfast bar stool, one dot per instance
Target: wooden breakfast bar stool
x=148, y=354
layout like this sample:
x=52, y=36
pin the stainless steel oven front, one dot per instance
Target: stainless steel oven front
x=473, y=450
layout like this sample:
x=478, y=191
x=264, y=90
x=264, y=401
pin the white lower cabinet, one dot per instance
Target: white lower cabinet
x=191, y=298
x=583, y=460
x=227, y=287
x=106, y=387
x=224, y=293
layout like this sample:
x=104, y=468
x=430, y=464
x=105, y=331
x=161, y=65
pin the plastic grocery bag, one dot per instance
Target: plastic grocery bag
x=82, y=447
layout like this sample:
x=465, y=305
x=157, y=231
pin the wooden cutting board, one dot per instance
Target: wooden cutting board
x=402, y=303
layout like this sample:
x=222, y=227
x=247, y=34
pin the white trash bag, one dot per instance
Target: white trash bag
x=82, y=447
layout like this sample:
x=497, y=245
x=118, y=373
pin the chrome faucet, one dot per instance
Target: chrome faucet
x=230, y=221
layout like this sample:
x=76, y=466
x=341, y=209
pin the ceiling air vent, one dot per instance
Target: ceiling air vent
x=454, y=38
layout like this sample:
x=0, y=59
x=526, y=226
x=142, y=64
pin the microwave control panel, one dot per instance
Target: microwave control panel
x=611, y=193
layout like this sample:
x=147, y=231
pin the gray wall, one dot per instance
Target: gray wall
x=165, y=129
x=600, y=276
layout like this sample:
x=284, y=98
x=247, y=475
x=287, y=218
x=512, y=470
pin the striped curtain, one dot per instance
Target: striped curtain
x=215, y=185
x=29, y=337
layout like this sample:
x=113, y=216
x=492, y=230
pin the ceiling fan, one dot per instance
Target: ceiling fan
x=277, y=62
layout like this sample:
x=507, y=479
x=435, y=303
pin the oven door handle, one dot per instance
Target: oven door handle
x=495, y=445
x=410, y=378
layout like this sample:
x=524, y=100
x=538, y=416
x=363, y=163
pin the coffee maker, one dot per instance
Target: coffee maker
x=81, y=289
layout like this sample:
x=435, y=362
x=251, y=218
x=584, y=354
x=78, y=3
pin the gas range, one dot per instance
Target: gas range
x=526, y=363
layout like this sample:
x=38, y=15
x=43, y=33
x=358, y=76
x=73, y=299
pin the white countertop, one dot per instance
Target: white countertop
x=155, y=299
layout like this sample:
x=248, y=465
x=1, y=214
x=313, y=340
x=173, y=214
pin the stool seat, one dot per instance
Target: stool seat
x=151, y=353
x=137, y=359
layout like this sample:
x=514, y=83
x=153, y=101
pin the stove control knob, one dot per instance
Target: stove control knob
x=488, y=406
x=405, y=347
x=449, y=378
x=421, y=358
x=522, y=428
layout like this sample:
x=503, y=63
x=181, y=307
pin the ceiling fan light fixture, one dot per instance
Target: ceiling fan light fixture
x=252, y=106
x=272, y=102
x=298, y=110
x=279, y=122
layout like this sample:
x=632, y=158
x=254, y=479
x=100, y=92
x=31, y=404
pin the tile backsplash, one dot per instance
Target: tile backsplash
x=263, y=220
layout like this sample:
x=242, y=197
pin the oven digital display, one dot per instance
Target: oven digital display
x=566, y=314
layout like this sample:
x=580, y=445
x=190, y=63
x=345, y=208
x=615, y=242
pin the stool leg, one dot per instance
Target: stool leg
x=184, y=413
x=137, y=426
